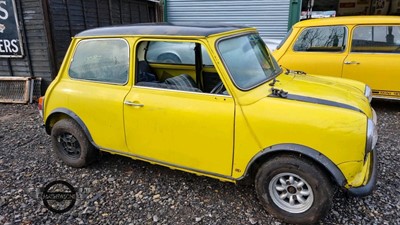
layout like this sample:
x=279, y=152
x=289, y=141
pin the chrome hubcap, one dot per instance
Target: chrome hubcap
x=291, y=193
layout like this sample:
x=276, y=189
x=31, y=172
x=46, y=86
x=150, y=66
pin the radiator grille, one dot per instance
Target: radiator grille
x=19, y=89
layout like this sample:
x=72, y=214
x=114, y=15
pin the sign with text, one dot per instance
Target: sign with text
x=10, y=36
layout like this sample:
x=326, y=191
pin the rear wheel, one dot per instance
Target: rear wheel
x=294, y=189
x=71, y=144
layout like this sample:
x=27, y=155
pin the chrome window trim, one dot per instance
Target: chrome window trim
x=183, y=91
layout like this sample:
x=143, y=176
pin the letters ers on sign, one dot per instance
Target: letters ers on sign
x=10, y=36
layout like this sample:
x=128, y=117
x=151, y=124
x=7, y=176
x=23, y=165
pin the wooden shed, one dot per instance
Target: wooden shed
x=35, y=34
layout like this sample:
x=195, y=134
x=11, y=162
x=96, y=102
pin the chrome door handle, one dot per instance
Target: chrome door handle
x=135, y=104
x=351, y=63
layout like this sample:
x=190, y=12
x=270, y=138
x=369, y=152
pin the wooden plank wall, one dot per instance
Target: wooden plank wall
x=69, y=17
x=36, y=60
x=48, y=25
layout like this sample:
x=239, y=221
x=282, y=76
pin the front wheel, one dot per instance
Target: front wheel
x=294, y=189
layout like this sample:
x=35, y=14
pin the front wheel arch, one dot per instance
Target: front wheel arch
x=294, y=189
x=302, y=151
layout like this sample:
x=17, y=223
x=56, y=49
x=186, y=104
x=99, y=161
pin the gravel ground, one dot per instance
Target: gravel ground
x=125, y=191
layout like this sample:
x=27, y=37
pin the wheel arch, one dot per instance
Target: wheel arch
x=321, y=160
x=62, y=113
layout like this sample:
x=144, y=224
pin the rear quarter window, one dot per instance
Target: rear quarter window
x=321, y=39
x=101, y=60
x=376, y=39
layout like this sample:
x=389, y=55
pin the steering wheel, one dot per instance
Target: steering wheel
x=218, y=88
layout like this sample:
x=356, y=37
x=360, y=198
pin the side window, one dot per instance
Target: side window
x=376, y=39
x=321, y=39
x=174, y=53
x=101, y=60
x=174, y=65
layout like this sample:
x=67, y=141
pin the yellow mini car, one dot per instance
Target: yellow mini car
x=225, y=110
x=363, y=48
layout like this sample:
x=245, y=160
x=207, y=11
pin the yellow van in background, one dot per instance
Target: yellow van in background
x=363, y=48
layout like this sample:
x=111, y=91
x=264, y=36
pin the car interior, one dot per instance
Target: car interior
x=168, y=73
x=377, y=39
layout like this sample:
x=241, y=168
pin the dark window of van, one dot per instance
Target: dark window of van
x=321, y=39
x=376, y=39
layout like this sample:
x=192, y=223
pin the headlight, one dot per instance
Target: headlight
x=368, y=93
x=372, y=136
x=374, y=117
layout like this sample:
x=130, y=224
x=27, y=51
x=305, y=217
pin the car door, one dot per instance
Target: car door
x=374, y=57
x=318, y=50
x=185, y=129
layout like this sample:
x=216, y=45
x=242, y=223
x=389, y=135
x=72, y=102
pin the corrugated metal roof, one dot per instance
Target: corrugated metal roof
x=270, y=17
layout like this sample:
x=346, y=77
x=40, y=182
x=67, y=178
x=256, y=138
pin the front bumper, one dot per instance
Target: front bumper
x=371, y=183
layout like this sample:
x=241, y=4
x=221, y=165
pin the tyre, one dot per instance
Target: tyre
x=71, y=144
x=294, y=189
x=169, y=58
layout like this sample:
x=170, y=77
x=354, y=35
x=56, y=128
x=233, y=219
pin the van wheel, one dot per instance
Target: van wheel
x=71, y=144
x=294, y=189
